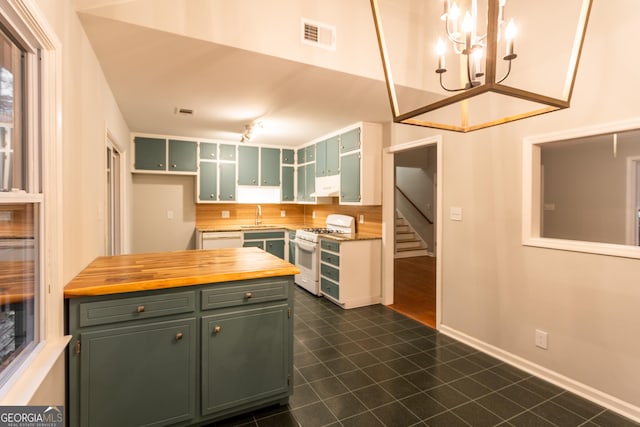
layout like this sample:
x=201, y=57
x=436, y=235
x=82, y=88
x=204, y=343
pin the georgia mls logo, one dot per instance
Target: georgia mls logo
x=31, y=416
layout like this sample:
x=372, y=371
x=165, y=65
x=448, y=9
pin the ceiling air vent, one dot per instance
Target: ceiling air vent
x=184, y=111
x=317, y=34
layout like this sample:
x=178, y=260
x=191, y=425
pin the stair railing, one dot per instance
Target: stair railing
x=414, y=205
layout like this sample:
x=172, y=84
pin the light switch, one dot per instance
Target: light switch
x=169, y=214
x=455, y=214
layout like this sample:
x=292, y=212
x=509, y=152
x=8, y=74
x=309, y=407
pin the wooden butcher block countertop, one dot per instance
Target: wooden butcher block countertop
x=143, y=272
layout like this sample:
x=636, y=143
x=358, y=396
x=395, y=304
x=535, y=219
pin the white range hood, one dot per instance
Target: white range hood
x=327, y=186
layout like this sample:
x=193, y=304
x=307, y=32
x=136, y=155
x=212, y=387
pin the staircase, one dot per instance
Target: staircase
x=408, y=242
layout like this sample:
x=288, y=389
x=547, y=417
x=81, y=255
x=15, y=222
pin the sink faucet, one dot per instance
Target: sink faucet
x=258, y=214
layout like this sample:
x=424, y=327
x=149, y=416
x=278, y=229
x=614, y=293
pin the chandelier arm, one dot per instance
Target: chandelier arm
x=447, y=89
x=450, y=35
x=506, y=74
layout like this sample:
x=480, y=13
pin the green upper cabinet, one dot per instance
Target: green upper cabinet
x=270, y=167
x=287, y=184
x=310, y=153
x=151, y=153
x=208, y=182
x=248, y=165
x=328, y=157
x=301, y=153
x=182, y=156
x=208, y=151
x=227, y=182
x=350, y=178
x=227, y=152
x=350, y=141
x=310, y=182
x=288, y=156
x=302, y=183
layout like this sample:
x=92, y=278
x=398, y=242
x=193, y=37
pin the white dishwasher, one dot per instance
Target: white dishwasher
x=220, y=239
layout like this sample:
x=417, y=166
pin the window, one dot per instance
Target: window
x=21, y=204
x=582, y=190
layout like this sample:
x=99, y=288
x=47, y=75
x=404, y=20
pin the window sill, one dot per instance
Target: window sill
x=25, y=382
x=624, y=251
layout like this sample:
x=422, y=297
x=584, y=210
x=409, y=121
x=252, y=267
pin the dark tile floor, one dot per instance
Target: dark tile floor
x=371, y=366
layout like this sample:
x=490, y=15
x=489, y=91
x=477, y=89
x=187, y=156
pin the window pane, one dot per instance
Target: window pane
x=12, y=153
x=18, y=278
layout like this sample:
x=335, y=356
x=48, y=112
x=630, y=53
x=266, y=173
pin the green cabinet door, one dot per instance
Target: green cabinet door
x=301, y=154
x=151, y=153
x=121, y=381
x=256, y=244
x=287, y=183
x=227, y=152
x=248, y=165
x=270, y=167
x=350, y=141
x=310, y=153
x=302, y=183
x=288, y=156
x=208, y=151
x=183, y=156
x=275, y=247
x=350, y=178
x=321, y=158
x=310, y=175
x=245, y=357
x=332, y=165
x=227, y=182
x=208, y=190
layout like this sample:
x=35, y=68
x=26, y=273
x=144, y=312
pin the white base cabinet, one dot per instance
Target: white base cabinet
x=350, y=272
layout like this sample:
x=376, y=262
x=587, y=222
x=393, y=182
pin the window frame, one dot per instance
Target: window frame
x=531, y=192
x=23, y=20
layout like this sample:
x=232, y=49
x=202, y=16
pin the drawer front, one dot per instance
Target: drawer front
x=126, y=309
x=330, y=258
x=330, y=272
x=264, y=235
x=220, y=296
x=330, y=288
x=330, y=245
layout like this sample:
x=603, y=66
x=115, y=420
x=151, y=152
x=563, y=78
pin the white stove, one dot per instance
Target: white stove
x=308, y=250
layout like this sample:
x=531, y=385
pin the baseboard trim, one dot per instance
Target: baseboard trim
x=619, y=406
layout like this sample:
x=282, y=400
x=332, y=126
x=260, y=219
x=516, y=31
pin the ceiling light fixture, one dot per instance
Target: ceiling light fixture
x=475, y=86
x=250, y=131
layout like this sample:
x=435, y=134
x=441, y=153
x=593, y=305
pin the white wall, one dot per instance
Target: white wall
x=153, y=197
x=587, y=303
x=88, y=109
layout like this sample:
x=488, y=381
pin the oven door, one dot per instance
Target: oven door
x=307, y=262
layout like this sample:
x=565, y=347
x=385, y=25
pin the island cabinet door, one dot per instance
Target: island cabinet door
x=138, y=375
x=245, y=357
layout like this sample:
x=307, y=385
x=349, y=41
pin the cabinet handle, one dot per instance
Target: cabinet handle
x=160, y=165
x=213, y=155
x=264, y=182
x=217, y=329
x=174, y=165
x=212, y=196
x=140, y=309
x=178, y=336
x=248, y=295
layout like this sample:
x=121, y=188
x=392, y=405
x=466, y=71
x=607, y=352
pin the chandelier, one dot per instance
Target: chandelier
x=480, y=79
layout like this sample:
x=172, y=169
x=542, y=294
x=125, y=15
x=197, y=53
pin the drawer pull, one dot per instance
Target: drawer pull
x=140, y=309
x=217, y=329
x=248, y=295
x=178, y=336
x=174, y=165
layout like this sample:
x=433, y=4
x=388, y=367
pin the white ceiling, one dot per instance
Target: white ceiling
x=152, y=72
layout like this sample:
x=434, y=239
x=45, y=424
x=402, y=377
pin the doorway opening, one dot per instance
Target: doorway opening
x=415, y=233
x=113, y=238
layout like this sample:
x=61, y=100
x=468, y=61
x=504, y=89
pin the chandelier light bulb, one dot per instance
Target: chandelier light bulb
x=454, y=12
x=440, y=50
x=510, y=32
x=467, y=23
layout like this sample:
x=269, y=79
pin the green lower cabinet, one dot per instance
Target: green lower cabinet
x=275, y=247
x=120, y=367
x=259, y=244
x=245, y=357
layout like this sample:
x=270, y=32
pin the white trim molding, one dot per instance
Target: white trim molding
x=583, y=390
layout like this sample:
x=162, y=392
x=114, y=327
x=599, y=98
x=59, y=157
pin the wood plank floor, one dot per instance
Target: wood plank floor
x=414, y=293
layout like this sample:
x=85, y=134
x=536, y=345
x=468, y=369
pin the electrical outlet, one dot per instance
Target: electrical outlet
x=313, y=214
x=455, y=214
x=225, y=214
x=283, y=213
x=361, y=219
x=542, y=339
x=169, y=214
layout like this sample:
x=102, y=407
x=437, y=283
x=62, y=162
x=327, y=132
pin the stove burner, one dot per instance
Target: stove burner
x=320, y=230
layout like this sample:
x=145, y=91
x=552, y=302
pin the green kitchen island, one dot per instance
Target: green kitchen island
x=178, y=338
